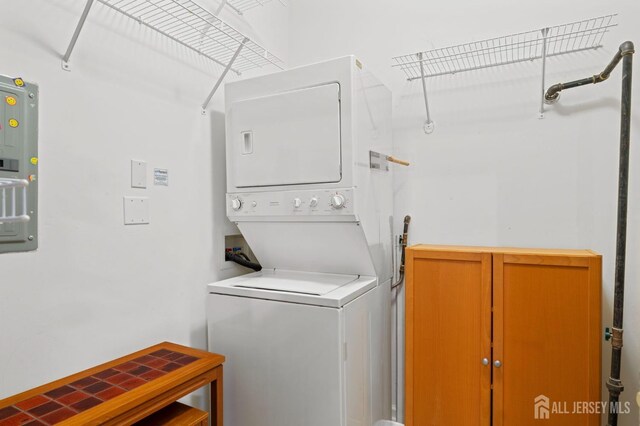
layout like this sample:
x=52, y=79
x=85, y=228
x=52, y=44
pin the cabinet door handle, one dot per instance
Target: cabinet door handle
x=485, y=361
x=497, y=363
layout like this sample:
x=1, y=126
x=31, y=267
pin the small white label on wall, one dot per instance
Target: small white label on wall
x=161, y=177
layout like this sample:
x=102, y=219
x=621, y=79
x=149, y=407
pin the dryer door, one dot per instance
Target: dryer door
x=289, y=138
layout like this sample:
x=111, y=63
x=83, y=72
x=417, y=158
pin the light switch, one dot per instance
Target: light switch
x=138, y=174
x=136, y=210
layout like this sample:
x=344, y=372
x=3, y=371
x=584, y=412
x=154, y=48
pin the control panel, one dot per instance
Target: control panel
x=291, y=203
x=18, y=165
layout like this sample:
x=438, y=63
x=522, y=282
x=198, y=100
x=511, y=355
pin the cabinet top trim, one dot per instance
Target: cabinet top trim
x=506, y=250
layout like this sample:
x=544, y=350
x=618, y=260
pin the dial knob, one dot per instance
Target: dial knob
x=337, y=201
x=297, y=202
x=236, y=203
x=313, y=202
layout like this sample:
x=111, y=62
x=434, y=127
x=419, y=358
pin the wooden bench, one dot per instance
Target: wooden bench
x=122, y=391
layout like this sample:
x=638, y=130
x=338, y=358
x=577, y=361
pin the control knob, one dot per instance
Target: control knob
x=337, y=201
x=313, y=202
x=236, y=203
x=297, y=202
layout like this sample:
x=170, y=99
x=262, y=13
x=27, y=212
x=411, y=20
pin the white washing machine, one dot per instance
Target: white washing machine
x=302, y=348
x=307, y=339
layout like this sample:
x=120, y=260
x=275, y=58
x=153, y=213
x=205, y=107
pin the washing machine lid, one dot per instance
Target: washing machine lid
x=312, y=288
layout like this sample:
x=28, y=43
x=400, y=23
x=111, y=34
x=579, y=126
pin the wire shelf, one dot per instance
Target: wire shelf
x=196, y=28
x=520, y=47
x=13, y=200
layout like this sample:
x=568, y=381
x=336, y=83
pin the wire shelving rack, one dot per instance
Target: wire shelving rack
x=193, y=27
x=525, y=46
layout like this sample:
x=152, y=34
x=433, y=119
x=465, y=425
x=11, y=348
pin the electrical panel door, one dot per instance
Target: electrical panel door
x=289, y=138
x=18, y=164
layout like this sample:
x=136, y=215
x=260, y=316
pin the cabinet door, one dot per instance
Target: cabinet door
x=546, y=337
x=448, y=333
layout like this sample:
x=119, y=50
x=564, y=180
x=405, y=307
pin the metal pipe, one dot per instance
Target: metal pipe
x=403, y=246
x=614, y=384
x=553, y=93
x=394, y=286
x=624, y=54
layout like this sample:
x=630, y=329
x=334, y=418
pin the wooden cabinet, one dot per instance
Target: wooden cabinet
x=488, y=330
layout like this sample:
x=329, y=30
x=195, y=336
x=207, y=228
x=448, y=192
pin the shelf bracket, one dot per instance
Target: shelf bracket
x=545, y=33
x=428, y=124
x=67, y=56
x=224, y=3
x=223, y=75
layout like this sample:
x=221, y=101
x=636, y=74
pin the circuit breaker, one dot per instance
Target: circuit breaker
x=18, y=165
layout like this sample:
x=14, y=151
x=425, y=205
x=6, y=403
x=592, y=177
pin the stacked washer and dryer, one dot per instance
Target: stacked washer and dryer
x=307, y=339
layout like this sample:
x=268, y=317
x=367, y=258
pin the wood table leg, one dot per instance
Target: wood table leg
x=217, y=399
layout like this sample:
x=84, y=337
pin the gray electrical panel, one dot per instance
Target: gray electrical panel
x=18, y=165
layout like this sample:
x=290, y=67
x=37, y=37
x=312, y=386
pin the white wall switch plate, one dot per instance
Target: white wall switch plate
x=138, y=174
x=136, y=210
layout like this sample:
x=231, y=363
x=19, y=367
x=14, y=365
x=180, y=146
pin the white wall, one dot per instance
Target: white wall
x=95, y=289
x=492, y=173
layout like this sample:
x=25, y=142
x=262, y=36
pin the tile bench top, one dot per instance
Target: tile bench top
x=108, y=388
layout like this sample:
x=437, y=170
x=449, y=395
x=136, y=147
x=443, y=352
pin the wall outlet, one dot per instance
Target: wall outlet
x=136, y=210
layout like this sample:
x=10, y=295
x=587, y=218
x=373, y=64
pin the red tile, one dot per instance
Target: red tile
x=187, y=359
x=59, y=415
x=110, y=393
x=152, y=374
x=161, y=352
x=61, y=391
x=28, y=404
x=140, y=370
x=72, y=398
x=132, y=383
x=144, y=359
x=85, y=404
x=34, y=423
x=16, y=420
x=83, y=383
x=45, y=408
x=157, y=363
x=126, y=366
x=171, y=367
x=97, y=387
x=106, y=373
x=173, y=355
x=119, y=378
x=8, y=412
